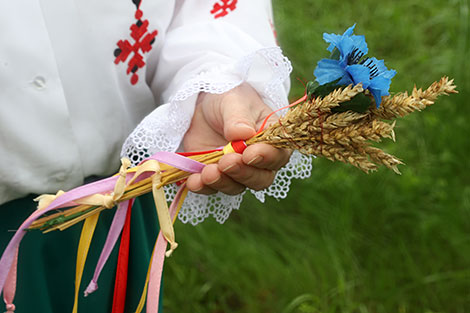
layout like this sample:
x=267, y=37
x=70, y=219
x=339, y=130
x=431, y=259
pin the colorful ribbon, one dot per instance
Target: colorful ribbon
x=10, y=288
x=120, y=283
x=158, y=257
x=113, y=235
x=98, y=193
x=83, y=247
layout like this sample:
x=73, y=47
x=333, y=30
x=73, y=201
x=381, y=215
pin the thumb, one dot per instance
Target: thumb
x=239, y=121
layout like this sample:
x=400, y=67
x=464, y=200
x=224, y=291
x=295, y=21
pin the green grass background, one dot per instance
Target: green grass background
x=344, y=241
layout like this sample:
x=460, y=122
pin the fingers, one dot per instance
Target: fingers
x=211, y=180
x=254, y=178
x=231, y=176
x=265, y=156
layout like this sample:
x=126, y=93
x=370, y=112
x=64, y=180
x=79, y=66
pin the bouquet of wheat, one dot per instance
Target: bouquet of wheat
x=341, y=114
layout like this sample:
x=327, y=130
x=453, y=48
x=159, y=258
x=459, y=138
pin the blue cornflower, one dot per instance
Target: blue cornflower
x=351, y=67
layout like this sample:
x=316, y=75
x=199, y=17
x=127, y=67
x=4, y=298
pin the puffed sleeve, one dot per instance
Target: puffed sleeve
x=214, y=46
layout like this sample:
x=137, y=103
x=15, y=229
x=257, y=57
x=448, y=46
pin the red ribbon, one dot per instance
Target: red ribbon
x=120, y=285
x=239, y=146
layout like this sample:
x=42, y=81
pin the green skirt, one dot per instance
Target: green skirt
x=46, y=262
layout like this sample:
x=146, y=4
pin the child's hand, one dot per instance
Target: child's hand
x=235, y=115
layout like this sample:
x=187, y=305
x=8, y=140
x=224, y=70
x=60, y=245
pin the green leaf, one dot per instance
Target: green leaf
x=311, y=88
x=360, y=103
x=335, y=54
x=323, y=90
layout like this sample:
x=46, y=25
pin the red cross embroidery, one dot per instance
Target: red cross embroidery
x=143, y=44
x=222, y=7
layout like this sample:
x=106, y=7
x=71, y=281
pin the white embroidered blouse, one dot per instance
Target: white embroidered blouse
x=77, y=77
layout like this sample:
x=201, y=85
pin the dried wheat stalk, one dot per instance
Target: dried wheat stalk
x=312, y=127
x=402, y=104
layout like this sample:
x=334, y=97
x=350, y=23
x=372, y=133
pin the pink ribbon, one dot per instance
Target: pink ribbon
x=10, y=289
x=178, y=161
x=169, y=158
x=65, y=200
x=156, y=269
x=113, y=235
x=8, y=260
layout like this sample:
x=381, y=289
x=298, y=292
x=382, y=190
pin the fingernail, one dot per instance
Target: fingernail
x=214, y=181
x=257, y=159
x=228, y=168
x=199, y=189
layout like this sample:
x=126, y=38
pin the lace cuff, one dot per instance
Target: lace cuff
x=267, y=70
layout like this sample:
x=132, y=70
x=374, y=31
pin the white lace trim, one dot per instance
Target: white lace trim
x=197, y=208
x=299, y=166
x=164, y=128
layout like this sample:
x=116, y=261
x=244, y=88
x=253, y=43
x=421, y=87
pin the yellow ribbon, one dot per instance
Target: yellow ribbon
x=228, y=148
x=147, y=166
x=110, y=200
x=141, y=304
x=45, y=200
x=107, y=201
x=120, y=186
x=180, y=203
x=83, y=247
x=164, y=219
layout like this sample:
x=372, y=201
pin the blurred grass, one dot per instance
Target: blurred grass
x=344, y=241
